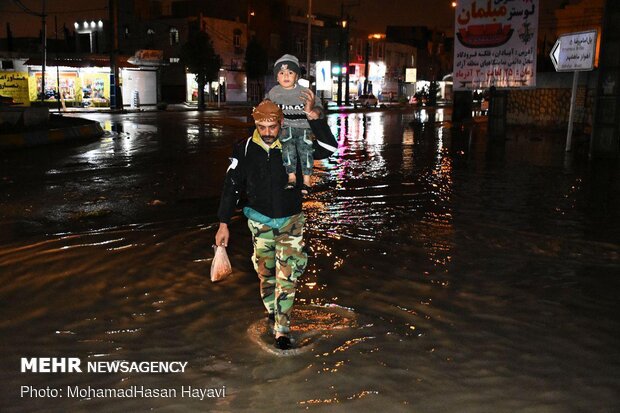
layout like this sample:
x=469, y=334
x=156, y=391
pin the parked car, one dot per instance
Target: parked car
x=366, y=100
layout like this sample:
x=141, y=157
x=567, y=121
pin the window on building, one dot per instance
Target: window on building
x=166, y=9
x=299, y=47
x=155, y=9
x=237, y=38
x=174, y=36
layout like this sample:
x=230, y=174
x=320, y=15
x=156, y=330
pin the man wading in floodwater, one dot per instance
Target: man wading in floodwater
x=274, y=216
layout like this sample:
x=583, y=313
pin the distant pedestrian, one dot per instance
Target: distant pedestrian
x=298, y=105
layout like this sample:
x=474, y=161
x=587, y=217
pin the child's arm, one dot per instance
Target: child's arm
x=312, y=107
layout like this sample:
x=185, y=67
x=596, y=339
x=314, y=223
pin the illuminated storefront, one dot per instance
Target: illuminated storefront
x=233, y=84
x=78, y=87
x=85, y=82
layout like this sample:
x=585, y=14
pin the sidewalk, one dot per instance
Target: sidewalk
x=60, y=130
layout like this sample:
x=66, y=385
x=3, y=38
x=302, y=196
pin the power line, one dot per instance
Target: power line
x=26, y=9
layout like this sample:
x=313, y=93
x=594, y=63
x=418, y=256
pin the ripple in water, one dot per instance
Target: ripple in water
x=311, y=324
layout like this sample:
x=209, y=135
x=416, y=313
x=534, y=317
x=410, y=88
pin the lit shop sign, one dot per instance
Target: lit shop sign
x=323, y=75
x=147, y=58
x=411, y=75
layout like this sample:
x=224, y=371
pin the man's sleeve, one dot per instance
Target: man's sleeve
x=233, y=182
x=325, y=143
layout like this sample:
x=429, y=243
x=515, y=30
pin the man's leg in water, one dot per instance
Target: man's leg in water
x=264, y=260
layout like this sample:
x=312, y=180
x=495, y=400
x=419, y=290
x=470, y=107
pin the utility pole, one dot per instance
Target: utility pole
x=605, y=138
x=44, y=43
x=57, y=70
x=42, y=15
x=366, y=68
x=309, y=42
x=116, y=101
x=340, y=43
x=346, y=24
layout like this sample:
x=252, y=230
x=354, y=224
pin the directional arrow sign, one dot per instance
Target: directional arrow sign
x=574, y=52
x=555, y=54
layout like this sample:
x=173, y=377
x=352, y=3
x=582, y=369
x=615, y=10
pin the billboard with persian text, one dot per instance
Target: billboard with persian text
x=495, y=44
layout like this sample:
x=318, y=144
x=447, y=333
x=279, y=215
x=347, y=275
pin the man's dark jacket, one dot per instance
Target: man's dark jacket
x=262, y=177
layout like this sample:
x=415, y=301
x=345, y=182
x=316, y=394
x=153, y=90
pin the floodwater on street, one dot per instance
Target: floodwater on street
x=449, y=272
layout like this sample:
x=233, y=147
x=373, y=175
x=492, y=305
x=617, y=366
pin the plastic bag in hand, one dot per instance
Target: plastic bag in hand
x=220, y=266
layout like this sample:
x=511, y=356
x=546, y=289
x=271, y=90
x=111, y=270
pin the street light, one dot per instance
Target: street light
x=91, y=29
x=251, y=14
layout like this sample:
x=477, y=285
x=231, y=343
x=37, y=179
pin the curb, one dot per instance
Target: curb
x=89, y=130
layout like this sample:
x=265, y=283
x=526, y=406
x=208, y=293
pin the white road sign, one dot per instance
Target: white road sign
x=574, y=52
x=324, y=75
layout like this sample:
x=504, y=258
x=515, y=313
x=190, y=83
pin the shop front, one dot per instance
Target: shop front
x=79, y=87
x=139, y=84
x=232, y=87
x=82, y=81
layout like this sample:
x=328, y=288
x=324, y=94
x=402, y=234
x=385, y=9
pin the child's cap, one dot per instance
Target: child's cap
x=288, y=61
x=267, y=111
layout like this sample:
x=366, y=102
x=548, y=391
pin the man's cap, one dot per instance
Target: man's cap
x=267, y=111
x=288, y=61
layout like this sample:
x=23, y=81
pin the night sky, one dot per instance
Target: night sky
x=375, y=15
x=25, y=25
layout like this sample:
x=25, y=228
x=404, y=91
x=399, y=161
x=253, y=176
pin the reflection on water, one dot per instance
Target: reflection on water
x=474, y=275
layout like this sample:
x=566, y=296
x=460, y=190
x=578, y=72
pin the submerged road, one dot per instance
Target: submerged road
x=449, y=272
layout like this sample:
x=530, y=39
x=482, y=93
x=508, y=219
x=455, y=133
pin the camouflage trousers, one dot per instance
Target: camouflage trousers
x=279, y=260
